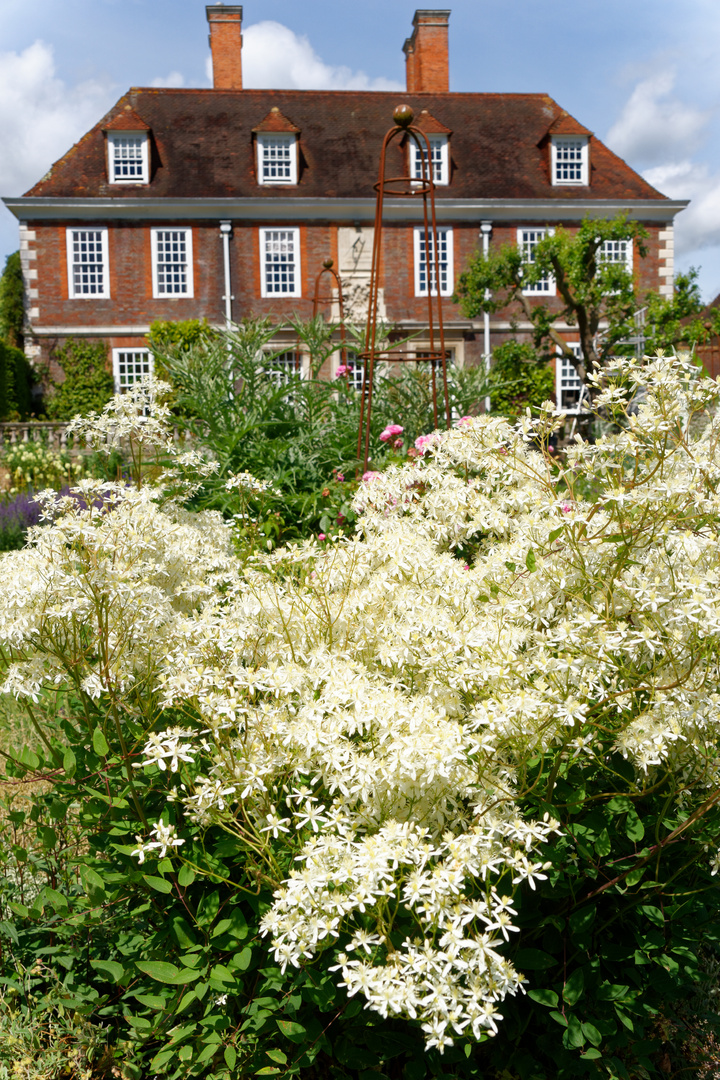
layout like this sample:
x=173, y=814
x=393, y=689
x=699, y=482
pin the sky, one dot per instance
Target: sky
x=643, y=75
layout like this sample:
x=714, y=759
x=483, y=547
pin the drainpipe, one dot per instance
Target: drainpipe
x=225, y=232
x=485, y=231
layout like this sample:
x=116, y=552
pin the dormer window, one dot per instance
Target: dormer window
x=439, y=159
x=128, y=157
x=570, y=160
x=277, y=158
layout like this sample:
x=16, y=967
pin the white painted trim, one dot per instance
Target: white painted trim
x=290, y=140
x=555, y=142
x=442, y=140
x=534, y=290
x=69, y=233
x=340, y=211
x=418, y=234
x=126, y=349
x=190, y=289
x=297, y=290
x=112, y=137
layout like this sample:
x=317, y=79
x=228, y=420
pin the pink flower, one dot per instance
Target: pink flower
x=566, y=508
x=368, y=476
x=423, y=441
x=340, y=477
x=341, y=370
x=397, y=444
x=390, y=430
x=321, y=536
x=464, y=421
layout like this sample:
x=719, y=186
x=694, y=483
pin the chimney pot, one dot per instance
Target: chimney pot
x=426, y=52
x=225, y=22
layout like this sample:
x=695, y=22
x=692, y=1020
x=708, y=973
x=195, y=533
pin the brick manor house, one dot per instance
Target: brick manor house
x=223, y=203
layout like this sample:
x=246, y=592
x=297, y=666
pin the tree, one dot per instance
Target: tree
x=594, y=292
x=11, y=301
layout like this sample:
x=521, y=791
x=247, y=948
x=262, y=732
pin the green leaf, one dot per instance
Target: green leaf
x=152, y=1001
x=93, y=884
x=186, y=876
x=162, y=1059
x=591, y=1033
x=166, y=973
x=19, y=909
x=294, y=1032
x=268, y=1070
x=48, y=836
x=277, y=1056
x=602, y=844
x=230, y=1055
x=611, y=991
x=544, y=997
x=56, y=899
x=242, y=960
x=554, y=534
x=158, y=883
x=29, y=758
x=511, y=567
x=99, y=742
x=592, y=1054
x=69, y=763
x=634, y=828
x=530, y=560
x=573, y=1036
x=572, y=991
x=533, y=960
x=108, y=967
x=634, y=876
x=620, y=804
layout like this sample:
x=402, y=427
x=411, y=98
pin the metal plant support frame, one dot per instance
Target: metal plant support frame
x=328, y=268
x=404, y=187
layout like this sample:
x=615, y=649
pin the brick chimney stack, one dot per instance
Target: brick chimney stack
x=426, y=52
x=225, y=21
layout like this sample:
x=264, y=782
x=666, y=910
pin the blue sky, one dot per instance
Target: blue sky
x=642, y=74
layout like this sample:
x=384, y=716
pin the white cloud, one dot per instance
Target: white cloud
x=40, y=116
x=698, y=226
x=175, y=78
x=275, y=57
x=654, y=127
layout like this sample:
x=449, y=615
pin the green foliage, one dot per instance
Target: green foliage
x=87, y=386
x=296, y=432
x=16, y=380
x=177, y=336
x=519, y=380
x=676, y=321
x=590, y=290
x=11, y=302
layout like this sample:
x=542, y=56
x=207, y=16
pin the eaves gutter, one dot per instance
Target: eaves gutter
x=47, y=208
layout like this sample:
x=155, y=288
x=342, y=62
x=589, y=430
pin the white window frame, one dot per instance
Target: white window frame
x=113, y=140
x=608, y=256
x=564, y=372
x=118, y=358
x=265, y=262
x=577, y=167
x=189, y=290
x=264, y=141
x=79, y=293
x=546, y=286
x=439, y=156
x=448, y=288
x=282, y=367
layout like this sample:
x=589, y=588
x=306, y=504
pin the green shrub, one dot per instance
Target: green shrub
x=87, y=386
x=519, y=379
x=16, y=380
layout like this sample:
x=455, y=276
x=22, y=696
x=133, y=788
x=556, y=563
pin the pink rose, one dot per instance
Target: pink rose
x=397, y=444
x=464, y=421
x=321, y=536
x=342, y=369
x=423, y=441
x=340, y=477
x=368, y=476
x=390, y=430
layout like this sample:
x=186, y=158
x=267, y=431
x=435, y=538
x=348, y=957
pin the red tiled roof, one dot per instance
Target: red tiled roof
x=126, y=120
x=567, y=125
x=427, y=123
x=203, y=146
x=275, y=121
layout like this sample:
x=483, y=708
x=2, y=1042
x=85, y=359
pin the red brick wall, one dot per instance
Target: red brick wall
x=226, y=48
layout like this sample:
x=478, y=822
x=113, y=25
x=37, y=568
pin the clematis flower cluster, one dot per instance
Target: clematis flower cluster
x=369, y=707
